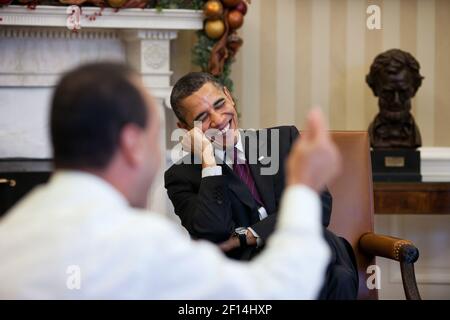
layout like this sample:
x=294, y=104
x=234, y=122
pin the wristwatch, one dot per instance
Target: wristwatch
x=241, y=233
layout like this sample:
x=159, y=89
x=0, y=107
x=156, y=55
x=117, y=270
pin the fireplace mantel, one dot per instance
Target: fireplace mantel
x=141, y=36
x=36, y=47
x=56, y=16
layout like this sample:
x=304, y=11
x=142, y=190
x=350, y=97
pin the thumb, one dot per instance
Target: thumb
x=316, y=127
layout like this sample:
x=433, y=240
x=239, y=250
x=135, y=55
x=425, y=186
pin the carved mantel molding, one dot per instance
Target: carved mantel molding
x=144, y=19
x=34, y=38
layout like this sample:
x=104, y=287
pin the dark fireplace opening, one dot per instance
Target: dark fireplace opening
x=18, y=177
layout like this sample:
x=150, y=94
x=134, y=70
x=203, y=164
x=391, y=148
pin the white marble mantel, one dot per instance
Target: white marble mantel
x=36, y=47
x=143, y=19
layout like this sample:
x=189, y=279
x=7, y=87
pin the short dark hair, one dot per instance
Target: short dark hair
x=90, y=106
x=186, y=86
x=393, y=61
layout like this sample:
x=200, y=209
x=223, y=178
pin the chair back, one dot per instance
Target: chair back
x=352, y=191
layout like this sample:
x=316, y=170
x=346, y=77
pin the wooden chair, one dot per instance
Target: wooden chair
x=353, y=216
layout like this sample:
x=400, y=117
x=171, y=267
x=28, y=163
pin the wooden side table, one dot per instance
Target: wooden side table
x=412, y=197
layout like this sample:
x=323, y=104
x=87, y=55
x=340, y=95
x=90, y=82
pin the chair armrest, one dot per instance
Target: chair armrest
x=397, y=249
x=389, y=247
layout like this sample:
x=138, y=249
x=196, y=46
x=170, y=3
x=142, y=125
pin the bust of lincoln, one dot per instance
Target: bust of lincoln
x=394, y=78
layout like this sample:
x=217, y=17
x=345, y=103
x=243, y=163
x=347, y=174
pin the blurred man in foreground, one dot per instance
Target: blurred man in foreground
x=85, y=233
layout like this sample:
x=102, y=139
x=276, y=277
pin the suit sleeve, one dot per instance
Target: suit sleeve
x=266, y=227
x=206, y=212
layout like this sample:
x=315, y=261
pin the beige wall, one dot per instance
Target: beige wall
x=300, y=53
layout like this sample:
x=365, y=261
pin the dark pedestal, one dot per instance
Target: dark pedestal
x=400, y=165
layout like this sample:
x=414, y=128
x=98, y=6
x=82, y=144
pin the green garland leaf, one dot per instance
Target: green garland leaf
x=201, y=53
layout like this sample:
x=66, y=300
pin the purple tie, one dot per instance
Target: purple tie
x=242, y=170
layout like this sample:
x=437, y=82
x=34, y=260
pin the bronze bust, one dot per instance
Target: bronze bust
x=394, y=78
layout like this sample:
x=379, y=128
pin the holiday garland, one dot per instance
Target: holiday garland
x=154, y=4
x=217, y=43
x=201, y=54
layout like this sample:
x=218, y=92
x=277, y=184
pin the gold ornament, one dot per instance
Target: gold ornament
x=214, y=29
x=213, y=9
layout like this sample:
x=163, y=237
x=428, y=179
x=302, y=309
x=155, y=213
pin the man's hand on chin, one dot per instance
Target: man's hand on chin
x=197, y=143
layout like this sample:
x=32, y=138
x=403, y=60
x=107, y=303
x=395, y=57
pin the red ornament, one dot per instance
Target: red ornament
x=231, y=3
x=235, y=19
x=242, y=7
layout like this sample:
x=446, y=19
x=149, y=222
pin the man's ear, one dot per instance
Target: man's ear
x=131, y=144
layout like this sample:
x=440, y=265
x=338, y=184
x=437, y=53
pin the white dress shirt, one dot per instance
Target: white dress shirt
x=77, y=237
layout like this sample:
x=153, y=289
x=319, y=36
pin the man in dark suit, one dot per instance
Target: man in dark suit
x=227, y=189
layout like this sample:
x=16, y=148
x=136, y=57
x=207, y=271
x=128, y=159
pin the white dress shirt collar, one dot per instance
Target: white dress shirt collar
x=228, y=154
x=89, y=183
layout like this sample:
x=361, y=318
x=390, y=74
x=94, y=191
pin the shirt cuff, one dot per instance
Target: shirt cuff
x=300, y=210
x=259, y=241
x=262, y=213
x=211, y=171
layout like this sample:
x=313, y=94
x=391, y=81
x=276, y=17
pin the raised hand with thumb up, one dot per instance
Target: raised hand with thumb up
x=314, y=159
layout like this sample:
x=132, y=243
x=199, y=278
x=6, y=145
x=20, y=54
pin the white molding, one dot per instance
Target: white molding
x=435, y=164
x=131, y=35
x=53, y=16
x=20, y=80
x=162, y=93
x=55, y=33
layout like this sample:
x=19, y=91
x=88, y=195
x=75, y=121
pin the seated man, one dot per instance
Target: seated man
x=232, y=193
x=84, y=234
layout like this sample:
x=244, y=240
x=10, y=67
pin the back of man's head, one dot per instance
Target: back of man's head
x=90, y=106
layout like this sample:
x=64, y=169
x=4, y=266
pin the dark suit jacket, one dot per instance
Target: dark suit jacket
x=211, y=208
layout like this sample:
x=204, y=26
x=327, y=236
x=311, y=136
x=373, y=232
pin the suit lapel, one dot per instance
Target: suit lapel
x=234, y=183
x=238, y=187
